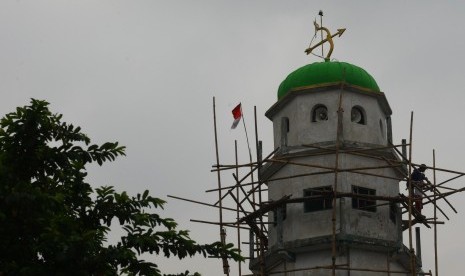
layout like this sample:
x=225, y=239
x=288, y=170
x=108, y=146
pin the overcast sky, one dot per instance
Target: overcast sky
x=144, y=73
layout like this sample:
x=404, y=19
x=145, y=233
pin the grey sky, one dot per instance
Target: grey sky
x=144, y=73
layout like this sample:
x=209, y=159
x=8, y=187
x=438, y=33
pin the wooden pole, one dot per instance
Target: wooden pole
x=237, y=209
x=262, y=226
x=435, y=218
x=410, y=203
x=333, y=219
x=201, y=203
x=222, y=231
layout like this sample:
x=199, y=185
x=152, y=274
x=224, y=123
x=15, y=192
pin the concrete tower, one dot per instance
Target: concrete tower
x=332, y=129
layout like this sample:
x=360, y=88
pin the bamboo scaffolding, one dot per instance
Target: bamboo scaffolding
x=224, y=224
x=231, y=188
x=335, y=169
x=306, y=174
x=344, y=170
x=352, y=151
x=246, y=194
x=201, y=203
x=231, y=167
x=252, y=210
x=332, y=170
x=340, y=267
x=327, y=151
x=428, y=197
x=354, y=195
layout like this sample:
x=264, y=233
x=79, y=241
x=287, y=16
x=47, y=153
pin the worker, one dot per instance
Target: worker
x=419, y=180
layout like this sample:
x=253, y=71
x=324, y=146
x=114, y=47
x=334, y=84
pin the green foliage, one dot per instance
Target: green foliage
x=52, y=222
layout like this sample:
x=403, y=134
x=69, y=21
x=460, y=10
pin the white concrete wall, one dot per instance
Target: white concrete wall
x=376, y=225
x=304, y=131
x=298, y=224
x=373, y=132
x=374, y=260
x=303, y=225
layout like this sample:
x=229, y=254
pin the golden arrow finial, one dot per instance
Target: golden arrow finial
x=329, y=38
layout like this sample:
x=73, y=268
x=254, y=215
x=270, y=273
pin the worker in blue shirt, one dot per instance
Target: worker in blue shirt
x=419, y=180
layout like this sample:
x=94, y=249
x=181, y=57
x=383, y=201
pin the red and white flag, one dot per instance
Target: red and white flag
x=237, y=113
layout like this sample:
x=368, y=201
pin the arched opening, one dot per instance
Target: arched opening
x=381, y=127
x=319, y=113
x=358, y=116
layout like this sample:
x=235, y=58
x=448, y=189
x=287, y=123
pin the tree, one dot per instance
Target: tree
x=52, y=222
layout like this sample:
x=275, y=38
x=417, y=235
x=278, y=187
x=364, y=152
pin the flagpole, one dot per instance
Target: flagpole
x=252, y=181
x=246, y=136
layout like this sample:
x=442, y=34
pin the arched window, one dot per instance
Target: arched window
x=285, y=124
x=357, y=115
x=381, y=127
x=319, y=113
x=389, y=129
x=284, y=130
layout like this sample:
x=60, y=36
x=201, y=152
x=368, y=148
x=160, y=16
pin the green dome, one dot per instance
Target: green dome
x=320, y=73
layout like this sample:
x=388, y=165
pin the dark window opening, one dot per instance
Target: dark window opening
x=283, y=214
x=319, y=113
x=364, y=204
x=323, y=199
x=286, y=124
x=284, y=130
x=389, y=129
x=392, y=211
x=357, y=115
x=381, y=127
